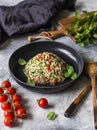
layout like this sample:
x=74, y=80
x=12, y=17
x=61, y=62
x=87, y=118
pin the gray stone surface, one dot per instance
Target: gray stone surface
x=83, y=119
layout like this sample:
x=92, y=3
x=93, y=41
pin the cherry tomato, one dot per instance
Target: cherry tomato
x=3, y=98
x=53, y=81
x=17, y=104
x=1, y=90
x=43, y=102
x=21, y=112
x=9, y=113
x=6, y=105
x=6, y=84
x=44, y=54
x=11, y=90
x=40, y=58
x=16, y=97
x=48, y=68
x=9, y=121
x=49, y=60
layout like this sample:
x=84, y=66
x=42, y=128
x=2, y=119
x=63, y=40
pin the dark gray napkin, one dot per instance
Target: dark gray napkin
x=30, y=15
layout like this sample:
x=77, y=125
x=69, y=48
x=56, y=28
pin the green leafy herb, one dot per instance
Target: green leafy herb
x=66, y=74
x=30, y=82
x=74, y=76
x=70, y=73
x=70, y=69
x=41, y=71
x=95, y=35
x=84, y=28
x=51, y=116
x=21, y=61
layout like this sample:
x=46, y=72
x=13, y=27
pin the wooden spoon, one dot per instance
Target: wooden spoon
x=73, y=106
x=91, y=70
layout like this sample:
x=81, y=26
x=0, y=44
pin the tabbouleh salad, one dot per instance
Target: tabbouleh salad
x=48, y=68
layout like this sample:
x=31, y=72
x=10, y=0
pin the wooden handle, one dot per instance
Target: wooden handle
x=48, y=35
x=94, y=94
x=70, y=110
x=58, y=33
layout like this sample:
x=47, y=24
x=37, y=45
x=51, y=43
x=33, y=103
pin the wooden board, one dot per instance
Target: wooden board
x=66, y=22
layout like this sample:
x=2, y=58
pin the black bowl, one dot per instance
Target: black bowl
x=28, y=51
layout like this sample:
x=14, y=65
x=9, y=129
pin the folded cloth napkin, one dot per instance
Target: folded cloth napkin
x=30, y=15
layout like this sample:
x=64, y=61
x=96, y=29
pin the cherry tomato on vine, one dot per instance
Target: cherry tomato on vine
x=1, y=91
x=6, y=84
x=6, y=105
x=43, y=102
x=17, y=104
x=11, y=90
x=3, y=98
x=9, y=113
x=21, y=112
x=16, y=97
x=9, y=121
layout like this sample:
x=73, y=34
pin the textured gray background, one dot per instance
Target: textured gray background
x=83, y=119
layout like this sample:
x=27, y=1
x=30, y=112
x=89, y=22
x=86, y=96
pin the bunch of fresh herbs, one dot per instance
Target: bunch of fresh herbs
x=84, y=28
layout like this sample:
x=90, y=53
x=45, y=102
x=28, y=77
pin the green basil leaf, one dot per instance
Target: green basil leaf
x=70, y=69
x=74, y=76
x=21, y=61
x=66, y=74
x=95, y=35
x=51, y=116
x=30, y=82
x=77, y=14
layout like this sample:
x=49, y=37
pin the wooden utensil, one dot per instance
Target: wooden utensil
x=91, y=70
x=71, y=109
x=64, y=23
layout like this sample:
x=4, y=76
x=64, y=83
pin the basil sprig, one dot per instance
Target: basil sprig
x=70, y=73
